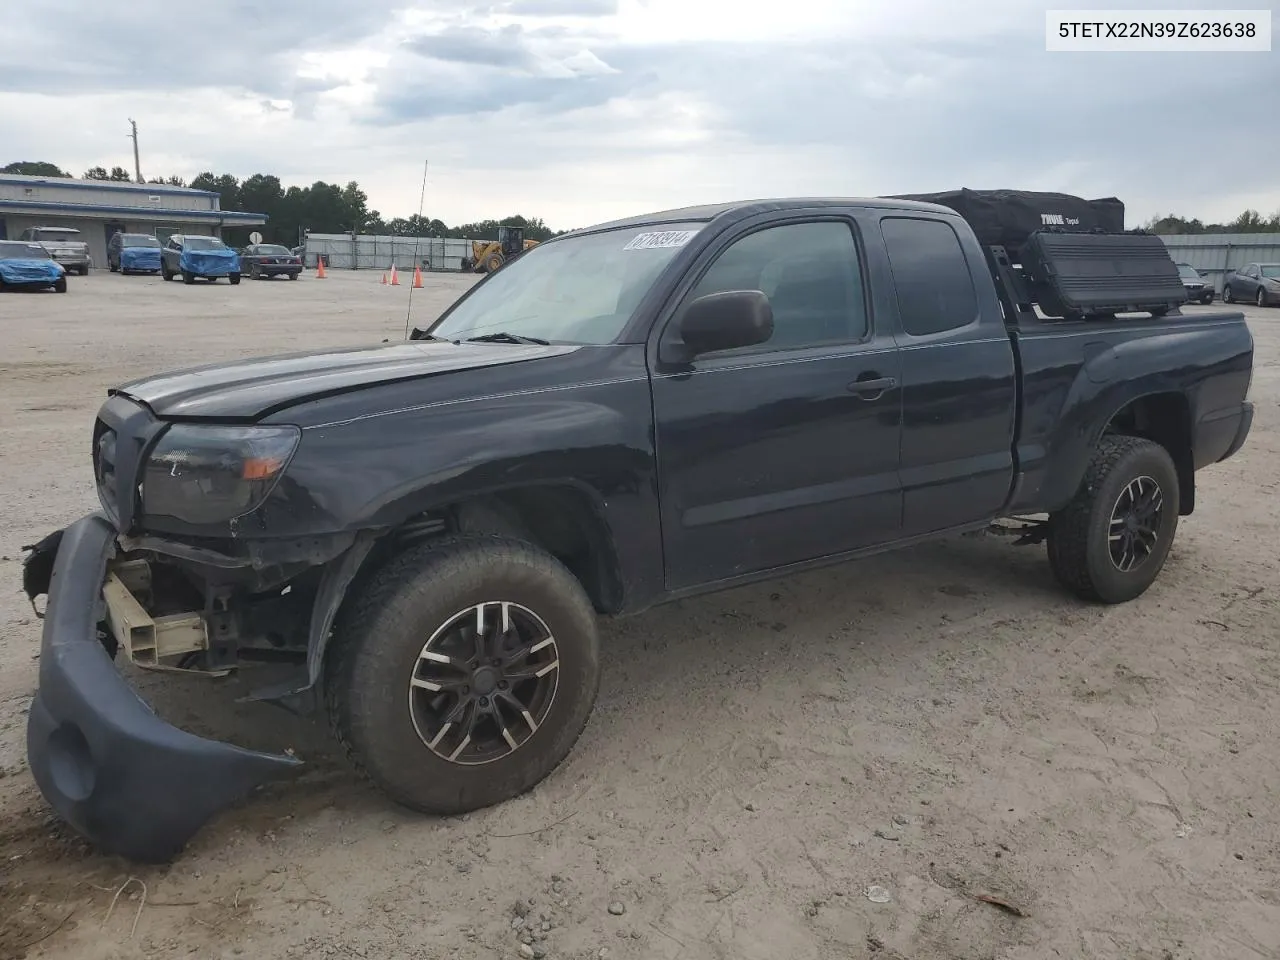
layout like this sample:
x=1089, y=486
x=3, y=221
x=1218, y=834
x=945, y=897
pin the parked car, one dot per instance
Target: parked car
x=1197, y=290
x=64, y=245
x=1255, y=282
x=429, y=528
x=133, y=253
x=28, y=266
x=196, y=257
x=269, y=260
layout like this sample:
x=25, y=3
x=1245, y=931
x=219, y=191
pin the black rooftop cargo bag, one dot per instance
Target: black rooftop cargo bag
x=1088, y=275
x=1009, y=217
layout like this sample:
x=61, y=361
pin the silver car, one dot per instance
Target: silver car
x=64, y=245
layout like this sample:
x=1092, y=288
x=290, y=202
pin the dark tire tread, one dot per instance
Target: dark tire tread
x=384, y=587
x=1068, y=540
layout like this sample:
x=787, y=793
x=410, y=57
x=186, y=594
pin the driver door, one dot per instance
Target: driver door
x=788, y=450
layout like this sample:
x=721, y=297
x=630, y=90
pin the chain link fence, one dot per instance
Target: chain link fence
x=343, y=251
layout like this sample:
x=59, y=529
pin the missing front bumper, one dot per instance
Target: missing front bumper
x=128, y=781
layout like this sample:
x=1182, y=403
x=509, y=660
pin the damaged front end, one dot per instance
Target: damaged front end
x=127, y=780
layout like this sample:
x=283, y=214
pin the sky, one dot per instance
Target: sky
x=581, y=111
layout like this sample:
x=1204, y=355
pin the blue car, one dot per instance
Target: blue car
x=193, y=257
x=28, y=266
x=133, y=253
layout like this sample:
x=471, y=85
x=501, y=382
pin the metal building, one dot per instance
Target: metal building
x=100, y=208
x=1213, y=254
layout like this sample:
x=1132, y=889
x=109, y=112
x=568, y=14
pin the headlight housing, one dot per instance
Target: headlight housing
x=213, y=474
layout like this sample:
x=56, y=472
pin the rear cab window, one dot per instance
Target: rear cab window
x=931, y=276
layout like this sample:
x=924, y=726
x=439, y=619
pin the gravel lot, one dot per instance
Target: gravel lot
x=942, y=723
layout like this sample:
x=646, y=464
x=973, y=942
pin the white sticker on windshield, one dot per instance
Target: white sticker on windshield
x=663, y=238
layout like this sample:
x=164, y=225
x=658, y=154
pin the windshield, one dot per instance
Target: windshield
x=13, y=250
x=139, y=240
x=274, y=249
x=1188, y=272
x=203, y=243
x=573, y=290
x=1271, y=270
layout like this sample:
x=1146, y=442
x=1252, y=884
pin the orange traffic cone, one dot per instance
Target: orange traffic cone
x=417, y=277
x=320, y=274
x=384, y=278
x=395, y=278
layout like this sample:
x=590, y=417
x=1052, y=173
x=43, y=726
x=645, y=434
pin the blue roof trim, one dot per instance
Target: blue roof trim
x=148, y=213
x=128, y=186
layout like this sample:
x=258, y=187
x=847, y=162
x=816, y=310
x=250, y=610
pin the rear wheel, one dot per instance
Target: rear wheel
x=293, y=276
x=234, y=278
x=1111, y=541
x=188, y=277
x=83, y=271
x=164, y=272
x=113, y=267
x=463, y=672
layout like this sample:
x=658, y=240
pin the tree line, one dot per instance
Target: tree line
x=292, y=211
x=1251, y=221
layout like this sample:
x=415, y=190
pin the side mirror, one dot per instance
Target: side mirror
x=723, y=321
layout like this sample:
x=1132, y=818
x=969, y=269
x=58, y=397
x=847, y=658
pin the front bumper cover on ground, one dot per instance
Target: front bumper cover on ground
x=128, y=781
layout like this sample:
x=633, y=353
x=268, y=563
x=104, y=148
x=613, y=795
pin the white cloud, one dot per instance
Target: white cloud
x=583, y=110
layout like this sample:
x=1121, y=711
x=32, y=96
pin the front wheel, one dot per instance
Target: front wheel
x=60, y=285
x=1207, y=299
x=112, y=267
x=188, y=277
x=463, y=672
x=164, y=272
x=1261, y=298
x=1226, y=294
x=1111, y=541
x=83, y=271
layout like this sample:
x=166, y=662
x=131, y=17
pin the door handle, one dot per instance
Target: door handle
x=872, y=387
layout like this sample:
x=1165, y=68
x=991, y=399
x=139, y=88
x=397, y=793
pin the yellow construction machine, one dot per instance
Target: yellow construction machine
x=488, y=256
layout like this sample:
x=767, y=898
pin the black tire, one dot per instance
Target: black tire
x=113, y=267
x=1207, y=299
x=378, y=645
x=164, y=272
x=493, y=263
x=1226, y=294
x=60, y=285
x=1260, y=298
x=188, y=277
x=234, y=278
x=293, y=276
x=1080, y=548
x=254, y=272
x=83, y=271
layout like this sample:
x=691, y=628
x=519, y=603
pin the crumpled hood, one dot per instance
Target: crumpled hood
x=31, y=270
x=140, y=258
x=250, y=389
x=209, y=261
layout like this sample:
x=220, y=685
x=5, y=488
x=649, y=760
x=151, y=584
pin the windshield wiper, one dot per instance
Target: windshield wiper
x=504, y=337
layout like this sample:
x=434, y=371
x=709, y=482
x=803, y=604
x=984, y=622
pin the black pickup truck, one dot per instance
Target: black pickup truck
x=622, y=416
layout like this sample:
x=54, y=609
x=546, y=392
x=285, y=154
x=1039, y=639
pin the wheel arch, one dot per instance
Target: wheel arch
x=1163, y=418
x=564, y=518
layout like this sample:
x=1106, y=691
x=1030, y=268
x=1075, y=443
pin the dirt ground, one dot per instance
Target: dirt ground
x=943, y=723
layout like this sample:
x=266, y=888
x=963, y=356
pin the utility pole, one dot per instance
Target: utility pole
x=137, y=164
